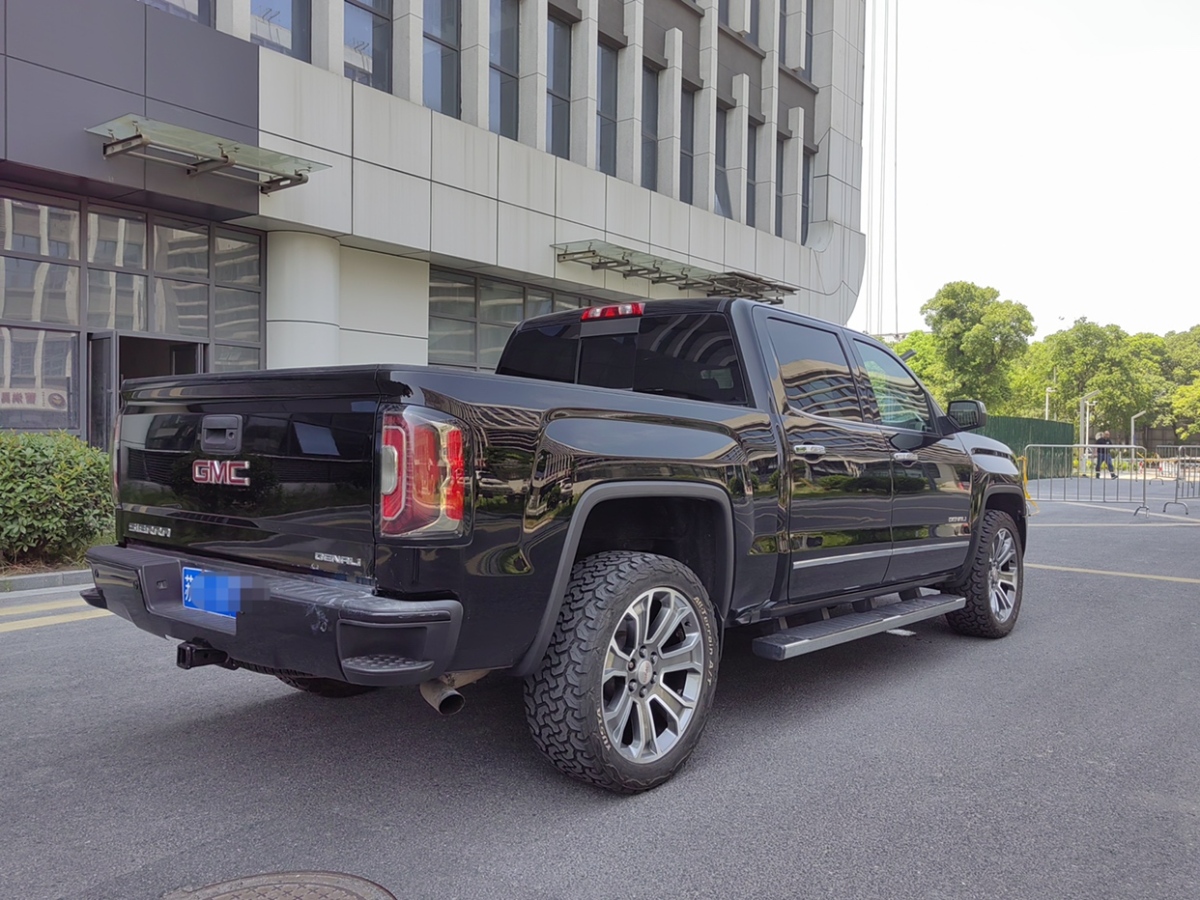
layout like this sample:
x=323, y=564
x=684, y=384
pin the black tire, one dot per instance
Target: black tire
x=631, y=729
x=324, y=687
x=993, y=583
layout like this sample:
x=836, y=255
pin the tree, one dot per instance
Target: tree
x=977, y=339
x=1185, y=407
x=925, y=362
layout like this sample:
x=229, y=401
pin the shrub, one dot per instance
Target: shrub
x=55, y=497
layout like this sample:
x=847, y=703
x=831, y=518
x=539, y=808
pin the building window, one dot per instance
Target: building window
x=443, y=40
x=283, y=26
x=606, y=110
x=687, y=144
x=805, y=197
x=558, y=88
x=723, y=12
x=781, y=37
x=751, y=173
x=193, y=10
x=471, y=318
x=780, y=144
x=505, y=52
x=754, y=21
x=368, y=42
x=650, y=129
x=721, y=202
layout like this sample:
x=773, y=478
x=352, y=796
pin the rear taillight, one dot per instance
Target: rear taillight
x=618, y=311
x=423, y=473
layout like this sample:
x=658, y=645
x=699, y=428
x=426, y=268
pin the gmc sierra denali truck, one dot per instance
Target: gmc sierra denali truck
x=631, y=482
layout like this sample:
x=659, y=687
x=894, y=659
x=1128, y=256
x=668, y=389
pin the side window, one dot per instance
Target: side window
x=816, y=376
x=902, y=401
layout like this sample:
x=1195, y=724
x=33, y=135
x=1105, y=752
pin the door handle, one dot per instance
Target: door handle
x=809, y=450
x=905, y=458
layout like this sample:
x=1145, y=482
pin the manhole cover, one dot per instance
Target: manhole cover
x=288, y=886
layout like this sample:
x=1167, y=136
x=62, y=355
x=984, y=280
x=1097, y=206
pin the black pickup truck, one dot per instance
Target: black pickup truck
x=634, y=480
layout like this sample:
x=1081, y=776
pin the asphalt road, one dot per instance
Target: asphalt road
x=1061, y=762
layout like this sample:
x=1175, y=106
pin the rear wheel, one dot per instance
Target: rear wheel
x=993, y=584
x=324, y=687
x=627, y=681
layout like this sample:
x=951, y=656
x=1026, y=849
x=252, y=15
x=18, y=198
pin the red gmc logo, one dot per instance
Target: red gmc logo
x=216, y=471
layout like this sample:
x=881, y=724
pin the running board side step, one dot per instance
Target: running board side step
x=838, y=630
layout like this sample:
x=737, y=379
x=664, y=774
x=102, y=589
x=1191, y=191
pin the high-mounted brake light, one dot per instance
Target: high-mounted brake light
x=422, y=473
x=619, y=311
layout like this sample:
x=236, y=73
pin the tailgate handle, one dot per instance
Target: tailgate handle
x=221, y=434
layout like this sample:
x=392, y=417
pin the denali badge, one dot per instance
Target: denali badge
x=152, y=530
x=340, y=560
x=219, y=471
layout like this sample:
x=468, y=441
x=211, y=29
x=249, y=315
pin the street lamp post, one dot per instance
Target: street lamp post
x=1132, y=419
x=1049, y=391
x=1083, y=430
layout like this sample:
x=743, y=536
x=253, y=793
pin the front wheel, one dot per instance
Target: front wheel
x=628, y=678
x=993, y=583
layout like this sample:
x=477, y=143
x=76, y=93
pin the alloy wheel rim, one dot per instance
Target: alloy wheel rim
x=1004, y=576
x=653, y=675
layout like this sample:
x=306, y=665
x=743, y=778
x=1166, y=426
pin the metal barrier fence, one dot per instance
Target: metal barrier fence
x=1088, y=473
x=1187, y=482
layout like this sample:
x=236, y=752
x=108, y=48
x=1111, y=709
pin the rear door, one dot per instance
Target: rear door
x=839, y=486
x=931, y=506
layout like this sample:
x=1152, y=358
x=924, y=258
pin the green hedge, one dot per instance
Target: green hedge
x=55, y=497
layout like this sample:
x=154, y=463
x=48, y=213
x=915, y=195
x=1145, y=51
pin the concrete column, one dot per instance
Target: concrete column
x=739, y=16
x=793, y=41
x=303, y=300
x=585, y=52
x=408, y=50
x=704, y=189
x=329, y=35
x=793, y=181
x=629, y=96
x=768, y=134
x=531, y=99
x=476, y=38
x=233, y=17
x=737, y=123
x=670, y=87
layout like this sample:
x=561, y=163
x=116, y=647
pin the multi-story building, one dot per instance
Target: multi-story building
x=216, y=185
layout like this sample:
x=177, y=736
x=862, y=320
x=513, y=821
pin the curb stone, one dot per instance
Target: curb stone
x=10, y=583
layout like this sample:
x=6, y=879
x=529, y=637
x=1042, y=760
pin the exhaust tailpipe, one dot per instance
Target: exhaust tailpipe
x=445, y=699
x=441, y=693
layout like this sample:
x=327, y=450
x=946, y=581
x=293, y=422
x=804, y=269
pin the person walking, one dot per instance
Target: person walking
x=1104, y=455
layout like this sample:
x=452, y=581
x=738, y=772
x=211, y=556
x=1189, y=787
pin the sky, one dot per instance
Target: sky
x=1047, y=148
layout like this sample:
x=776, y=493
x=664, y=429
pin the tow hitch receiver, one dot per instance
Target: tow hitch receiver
x=190, y=655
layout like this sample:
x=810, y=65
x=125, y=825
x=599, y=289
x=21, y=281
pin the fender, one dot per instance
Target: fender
x=993, y=489
x=619, y=491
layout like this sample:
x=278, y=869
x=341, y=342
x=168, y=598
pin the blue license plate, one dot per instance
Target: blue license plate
x=211, y=592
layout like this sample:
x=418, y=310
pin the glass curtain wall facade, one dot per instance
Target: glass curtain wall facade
x=470, y=318
x=73, y=270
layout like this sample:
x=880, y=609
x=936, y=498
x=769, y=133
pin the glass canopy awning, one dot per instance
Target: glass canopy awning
x=203, y=154
x=657, y=270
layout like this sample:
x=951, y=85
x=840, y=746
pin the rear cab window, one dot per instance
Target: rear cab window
x=688, y=355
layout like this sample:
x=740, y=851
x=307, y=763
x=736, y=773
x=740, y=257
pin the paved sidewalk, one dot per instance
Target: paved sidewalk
x=12, y=585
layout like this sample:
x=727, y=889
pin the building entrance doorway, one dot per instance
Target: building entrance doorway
x=112, y=358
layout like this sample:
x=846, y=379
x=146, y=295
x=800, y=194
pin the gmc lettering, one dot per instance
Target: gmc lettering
x=234, y=472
